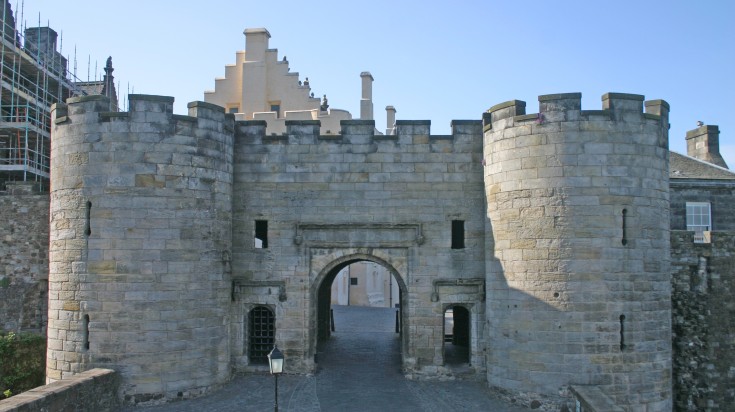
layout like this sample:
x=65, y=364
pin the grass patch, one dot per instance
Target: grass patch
x=22, y=362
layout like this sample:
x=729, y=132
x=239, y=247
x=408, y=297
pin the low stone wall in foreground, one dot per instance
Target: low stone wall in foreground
x=93, y=390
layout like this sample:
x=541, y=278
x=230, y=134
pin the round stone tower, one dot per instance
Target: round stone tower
x=578, y=291
x=139, y=245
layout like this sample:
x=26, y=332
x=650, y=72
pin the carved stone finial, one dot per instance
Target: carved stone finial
x=324, y=105
x=108, y=66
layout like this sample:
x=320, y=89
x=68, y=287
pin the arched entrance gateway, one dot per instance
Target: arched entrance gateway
x=321, y=293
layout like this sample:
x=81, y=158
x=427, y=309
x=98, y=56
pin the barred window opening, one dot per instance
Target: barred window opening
x=262, y=334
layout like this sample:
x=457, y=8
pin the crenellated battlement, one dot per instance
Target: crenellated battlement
x=154, y=114
x=567, y=107
x=147, y=113
x=358, y=132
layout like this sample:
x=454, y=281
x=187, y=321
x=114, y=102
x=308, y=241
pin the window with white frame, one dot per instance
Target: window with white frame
x=699, y=219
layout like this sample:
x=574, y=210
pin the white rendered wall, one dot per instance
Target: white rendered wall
x=260, y=80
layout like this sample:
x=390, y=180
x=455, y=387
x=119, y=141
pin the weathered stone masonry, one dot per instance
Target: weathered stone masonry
x=24, y=258
x=333, y=200
x=154, y=265
x=140, y=211
x=703, y=280
x=579, y=288
x=703, y=310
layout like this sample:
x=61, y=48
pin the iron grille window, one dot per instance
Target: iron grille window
x=262, y=334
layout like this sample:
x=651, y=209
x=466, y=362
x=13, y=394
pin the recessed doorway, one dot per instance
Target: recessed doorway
x=456, y=335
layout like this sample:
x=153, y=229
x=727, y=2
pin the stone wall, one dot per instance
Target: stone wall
x=703, y=321
x=23, y=259
x=331, y=200
x=578, y=287
x=156, y=257
x=93, y=390
x=139, y=252
x=720, y=195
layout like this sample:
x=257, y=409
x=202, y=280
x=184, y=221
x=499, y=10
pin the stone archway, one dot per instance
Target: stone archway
x=321, y=296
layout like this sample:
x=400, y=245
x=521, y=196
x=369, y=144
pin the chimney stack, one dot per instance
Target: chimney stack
x=390, y=124
x=366, y=103
x=703, y=143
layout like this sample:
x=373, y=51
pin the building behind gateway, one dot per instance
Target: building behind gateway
x=562, y=234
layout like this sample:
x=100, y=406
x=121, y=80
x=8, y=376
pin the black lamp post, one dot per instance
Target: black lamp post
x=275, y=360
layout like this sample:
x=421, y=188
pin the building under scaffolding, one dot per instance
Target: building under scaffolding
x=34, y=76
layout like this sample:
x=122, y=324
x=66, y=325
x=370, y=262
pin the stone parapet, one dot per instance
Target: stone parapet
x=566, y=107
x=359, y=136
x=93, y=390
x=592, y=399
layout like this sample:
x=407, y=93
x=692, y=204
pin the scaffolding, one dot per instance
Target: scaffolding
x=34, y=76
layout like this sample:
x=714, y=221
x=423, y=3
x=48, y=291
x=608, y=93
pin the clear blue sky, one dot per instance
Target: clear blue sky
x=432, y=60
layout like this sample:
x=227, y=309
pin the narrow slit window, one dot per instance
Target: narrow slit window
x=625, y=238
x=261, y=234
x=88, y=217
x=85, y=332
x=457, y=234
x=622, y=333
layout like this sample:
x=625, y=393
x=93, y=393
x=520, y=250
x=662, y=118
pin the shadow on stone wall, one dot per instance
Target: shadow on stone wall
x=703, y=321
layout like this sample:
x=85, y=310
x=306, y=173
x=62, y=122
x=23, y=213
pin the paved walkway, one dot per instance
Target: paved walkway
x=358, y=370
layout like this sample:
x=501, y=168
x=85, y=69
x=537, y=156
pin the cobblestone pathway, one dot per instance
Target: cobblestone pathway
x=359, y=370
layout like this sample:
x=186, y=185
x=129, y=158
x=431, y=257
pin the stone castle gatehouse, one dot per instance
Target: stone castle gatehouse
x=169, y=233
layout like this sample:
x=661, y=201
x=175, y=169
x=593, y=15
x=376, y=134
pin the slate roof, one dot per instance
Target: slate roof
x=685, y=167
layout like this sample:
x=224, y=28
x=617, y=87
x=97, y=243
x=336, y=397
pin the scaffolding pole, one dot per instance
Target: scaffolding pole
x=34, y=75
